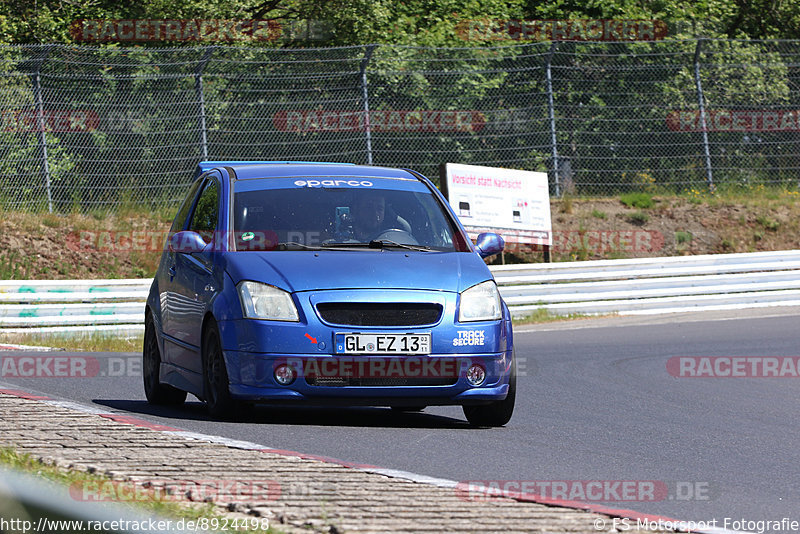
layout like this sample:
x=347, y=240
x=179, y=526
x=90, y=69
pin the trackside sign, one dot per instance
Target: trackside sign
x=513, y=203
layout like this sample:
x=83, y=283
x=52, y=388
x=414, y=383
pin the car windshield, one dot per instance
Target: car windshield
x=340, y=217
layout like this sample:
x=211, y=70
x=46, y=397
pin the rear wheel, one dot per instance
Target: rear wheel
x=154, y=390
x=496, y=413
x=215, y=377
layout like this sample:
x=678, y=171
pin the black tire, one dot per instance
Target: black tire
x=154, y=390
x=497, y=413
x=215, y=377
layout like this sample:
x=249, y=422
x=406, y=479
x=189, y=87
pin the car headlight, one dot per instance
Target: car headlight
x=480, y=303
x=262, y=301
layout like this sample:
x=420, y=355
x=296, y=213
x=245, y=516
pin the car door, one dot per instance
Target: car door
x=194, y=279
x=167, y=286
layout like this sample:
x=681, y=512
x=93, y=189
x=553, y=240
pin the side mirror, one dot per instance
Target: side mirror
x=187, y=242
x=489, y=244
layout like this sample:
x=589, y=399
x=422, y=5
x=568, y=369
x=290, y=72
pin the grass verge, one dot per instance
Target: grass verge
x=96, y=342
x=109, y=343
x=147, y=500
x=543, y=315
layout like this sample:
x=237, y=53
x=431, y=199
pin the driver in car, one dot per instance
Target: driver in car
x=371, y=217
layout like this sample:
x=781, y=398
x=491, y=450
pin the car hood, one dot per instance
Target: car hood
x=356, y=269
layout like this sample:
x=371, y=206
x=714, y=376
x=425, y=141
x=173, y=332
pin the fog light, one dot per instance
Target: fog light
x=476, y=374
x=285, y=374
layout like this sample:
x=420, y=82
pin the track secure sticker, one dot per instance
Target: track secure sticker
x=469, y=338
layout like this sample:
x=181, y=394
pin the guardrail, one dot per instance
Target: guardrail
x=632, y=286
x=653, y=285
x=73, y=306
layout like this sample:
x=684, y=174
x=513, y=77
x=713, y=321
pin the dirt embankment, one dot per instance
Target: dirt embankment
x=606, y=228
x=45, y=246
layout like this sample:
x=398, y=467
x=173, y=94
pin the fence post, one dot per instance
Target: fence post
x=40, y=124
x=702, y=107
x=198, y=87
x=552, y=115
x=365, y=98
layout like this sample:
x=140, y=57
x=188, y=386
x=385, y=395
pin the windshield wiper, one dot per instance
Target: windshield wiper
x=383, y=243
x=294, y=245
x=346, y=244
x=375, y=243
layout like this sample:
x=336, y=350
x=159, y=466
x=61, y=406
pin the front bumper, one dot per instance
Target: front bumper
x=254, y=348
x=256, y=381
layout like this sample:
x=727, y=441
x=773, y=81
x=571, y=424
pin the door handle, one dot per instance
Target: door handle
x=171, y=273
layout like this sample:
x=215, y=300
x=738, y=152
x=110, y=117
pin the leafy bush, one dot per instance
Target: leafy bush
x=639, y=218
x=683, y=237
x=769, y=224
x=637, y=200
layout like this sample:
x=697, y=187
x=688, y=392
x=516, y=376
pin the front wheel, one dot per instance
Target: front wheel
x=215, y=377
x=154, y=390
x=496, y=413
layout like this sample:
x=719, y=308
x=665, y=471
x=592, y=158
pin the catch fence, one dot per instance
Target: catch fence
x=90, y=128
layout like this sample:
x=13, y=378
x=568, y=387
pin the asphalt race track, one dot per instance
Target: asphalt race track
x=596, y=402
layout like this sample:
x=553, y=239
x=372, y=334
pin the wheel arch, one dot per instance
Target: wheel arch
x=208, y=321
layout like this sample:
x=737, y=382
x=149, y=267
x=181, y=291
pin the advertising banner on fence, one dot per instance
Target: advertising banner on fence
x=513, y=203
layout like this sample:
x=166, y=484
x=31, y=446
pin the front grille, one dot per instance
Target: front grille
x=380, y=313
x=341, y=381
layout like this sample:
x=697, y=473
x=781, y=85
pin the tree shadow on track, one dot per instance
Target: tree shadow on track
x=369, y=417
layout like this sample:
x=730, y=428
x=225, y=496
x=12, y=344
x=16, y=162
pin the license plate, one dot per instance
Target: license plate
x=356, y=343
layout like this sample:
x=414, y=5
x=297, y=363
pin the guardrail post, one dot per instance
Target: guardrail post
x=702, y=107
x=552, y=116
x=198, y=87
x=365, y=98
x=40, y=124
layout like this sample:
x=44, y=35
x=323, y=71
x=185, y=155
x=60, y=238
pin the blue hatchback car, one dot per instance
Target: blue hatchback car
x=288, y=283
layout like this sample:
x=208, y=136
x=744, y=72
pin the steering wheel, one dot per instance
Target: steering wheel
x=398, y=235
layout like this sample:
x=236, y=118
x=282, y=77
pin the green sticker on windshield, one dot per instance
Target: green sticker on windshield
x=247, y=236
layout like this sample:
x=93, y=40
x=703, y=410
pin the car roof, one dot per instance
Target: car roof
x=203, y=166
x=246, y=170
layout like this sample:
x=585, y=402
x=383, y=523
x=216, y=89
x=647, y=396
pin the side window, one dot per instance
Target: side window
x=179, y=223
x=204, y=219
